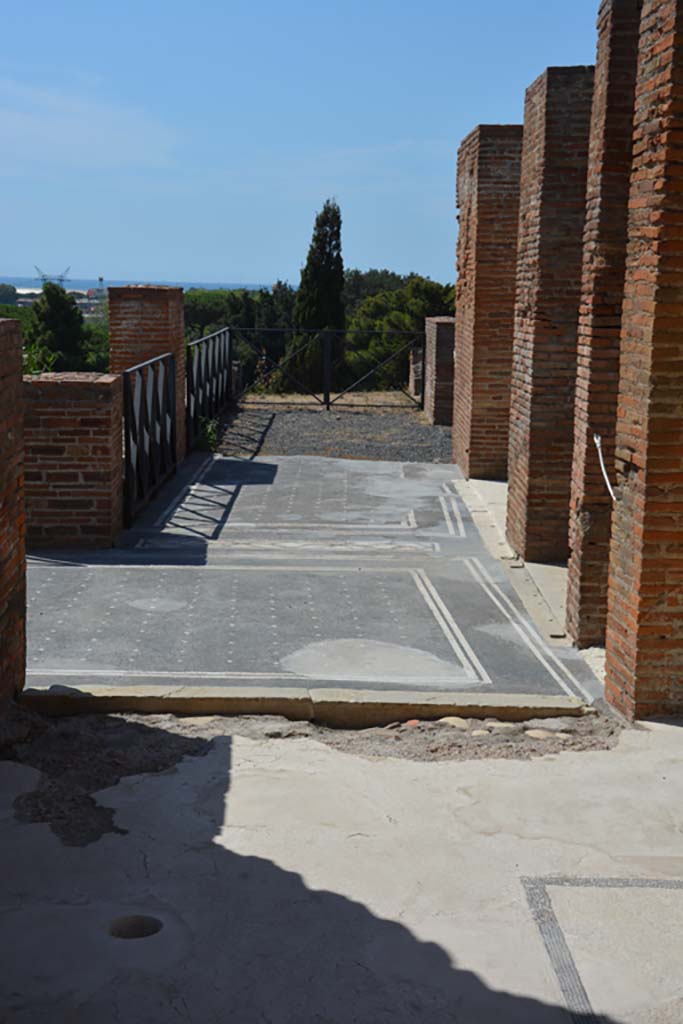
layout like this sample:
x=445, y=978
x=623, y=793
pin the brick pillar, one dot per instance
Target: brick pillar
x=146, y=321
x=438, y=369
x=12, y=519
x=488, y=199
x=74, y=459
x=604, y=260
x=645, y=596
x=551, y=216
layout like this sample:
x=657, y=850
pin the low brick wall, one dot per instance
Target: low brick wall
x=438, y=369
x=74, y=459
x=12, y=519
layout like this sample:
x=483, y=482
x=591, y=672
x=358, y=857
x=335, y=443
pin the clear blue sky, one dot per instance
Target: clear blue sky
x=195, y=141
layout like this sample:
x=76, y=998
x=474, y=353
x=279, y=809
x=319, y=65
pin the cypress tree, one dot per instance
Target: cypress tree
x=319, y=303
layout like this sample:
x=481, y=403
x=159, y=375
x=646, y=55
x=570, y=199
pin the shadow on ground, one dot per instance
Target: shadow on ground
x=244, y=431
x=243, y=940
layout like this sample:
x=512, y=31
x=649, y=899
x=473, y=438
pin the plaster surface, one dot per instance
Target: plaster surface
x=295, y=882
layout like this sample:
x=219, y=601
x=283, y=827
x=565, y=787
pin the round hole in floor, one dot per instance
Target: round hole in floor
x=135, y=926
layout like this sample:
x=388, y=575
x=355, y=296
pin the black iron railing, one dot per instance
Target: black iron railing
x=149, y=419
x=321, y=363
x=209, y=380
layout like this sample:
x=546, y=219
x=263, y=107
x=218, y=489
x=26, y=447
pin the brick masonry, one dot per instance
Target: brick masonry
x=489, y=163
x=438, y=369
x=73, y=459
x=604, y=258
x=552, y=210
x=645, y=598
x=12, y=518
x=147, y=321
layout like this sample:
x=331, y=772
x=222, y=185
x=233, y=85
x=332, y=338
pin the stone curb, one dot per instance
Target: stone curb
x=354, y=709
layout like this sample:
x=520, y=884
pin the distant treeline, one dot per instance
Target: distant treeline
x=375, y=302
x=363, y=310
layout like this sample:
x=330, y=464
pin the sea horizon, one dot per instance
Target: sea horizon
x=82, y=284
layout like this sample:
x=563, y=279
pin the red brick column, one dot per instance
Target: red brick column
x=551, y=217
x=438, y=369
x=147, y=321
x=645, y=597
x=488, y=198
x=12, y=518
x=604, y=260
x=74, y=459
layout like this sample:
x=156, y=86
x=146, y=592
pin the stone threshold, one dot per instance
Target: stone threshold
x=341, y=708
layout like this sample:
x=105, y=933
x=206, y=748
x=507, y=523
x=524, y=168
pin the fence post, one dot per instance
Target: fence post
x=327, y=368
x=229, y=392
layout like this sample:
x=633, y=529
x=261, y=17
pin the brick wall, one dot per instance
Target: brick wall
x=604, y=257
x=645, y=598
x=488, y=199
x=147, y=321
x=438, y=369
x=12, y=518
x=551, y=218
x=74, y=459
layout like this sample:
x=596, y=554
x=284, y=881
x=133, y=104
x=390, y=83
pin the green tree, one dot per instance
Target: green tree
x=361, y=284
x=267, y=314
x=319, y=303
x=209, y=309
x=58, y=327
x=370, y=340
x=96, y=343
x=37, y=358
x=8, y=294
x=24, y=314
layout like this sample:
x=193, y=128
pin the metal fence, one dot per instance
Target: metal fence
x=328, y=364
x=209, y=380
x=149, y=419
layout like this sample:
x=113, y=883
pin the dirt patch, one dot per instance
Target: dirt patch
x=79, y=756
x=450, y=739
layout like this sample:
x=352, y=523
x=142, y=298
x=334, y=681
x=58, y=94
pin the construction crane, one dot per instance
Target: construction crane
x=57, y=278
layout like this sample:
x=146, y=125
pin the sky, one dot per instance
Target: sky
x=168, y=141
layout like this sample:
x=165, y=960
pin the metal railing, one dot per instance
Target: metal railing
x=149, y=424
x=209, y=380
x=282, y=352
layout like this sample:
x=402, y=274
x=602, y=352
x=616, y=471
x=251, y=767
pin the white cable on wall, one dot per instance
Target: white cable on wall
x=598, y=445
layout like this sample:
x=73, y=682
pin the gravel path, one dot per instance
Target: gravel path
x=399, y=435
